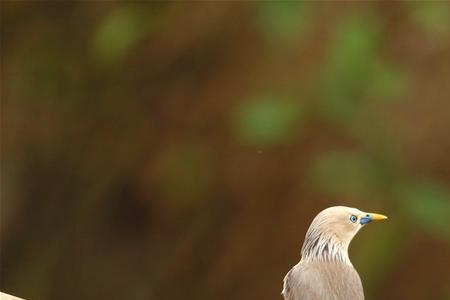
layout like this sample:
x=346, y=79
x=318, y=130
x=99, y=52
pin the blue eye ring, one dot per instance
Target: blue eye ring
x=353, y=218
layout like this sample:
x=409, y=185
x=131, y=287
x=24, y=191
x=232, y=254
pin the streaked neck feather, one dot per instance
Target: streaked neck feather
x=327, y=248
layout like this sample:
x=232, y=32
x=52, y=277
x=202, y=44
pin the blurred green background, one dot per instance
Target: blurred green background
x=179, y=150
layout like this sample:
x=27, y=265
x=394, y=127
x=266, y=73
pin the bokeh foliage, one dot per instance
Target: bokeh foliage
x=180, y=150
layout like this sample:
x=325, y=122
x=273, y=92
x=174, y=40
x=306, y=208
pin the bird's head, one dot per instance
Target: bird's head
x=332, y=230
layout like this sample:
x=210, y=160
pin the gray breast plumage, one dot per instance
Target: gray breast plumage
x=322, y=280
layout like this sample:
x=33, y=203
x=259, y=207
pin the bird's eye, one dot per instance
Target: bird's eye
x=353, y=218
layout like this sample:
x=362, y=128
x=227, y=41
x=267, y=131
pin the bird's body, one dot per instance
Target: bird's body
x=322, y=280
x=325, y=271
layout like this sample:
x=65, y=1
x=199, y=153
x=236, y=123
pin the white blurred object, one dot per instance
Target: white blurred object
x=4, y=296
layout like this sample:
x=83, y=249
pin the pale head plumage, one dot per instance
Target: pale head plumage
x=330, y=234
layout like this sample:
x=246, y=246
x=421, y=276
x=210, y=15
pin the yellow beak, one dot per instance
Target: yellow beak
x=369, y=217
x=377, y=217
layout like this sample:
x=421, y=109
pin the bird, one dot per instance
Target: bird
x=325, y=271
x=4, y=296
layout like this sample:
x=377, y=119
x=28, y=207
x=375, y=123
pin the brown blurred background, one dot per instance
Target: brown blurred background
x=179, y=150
